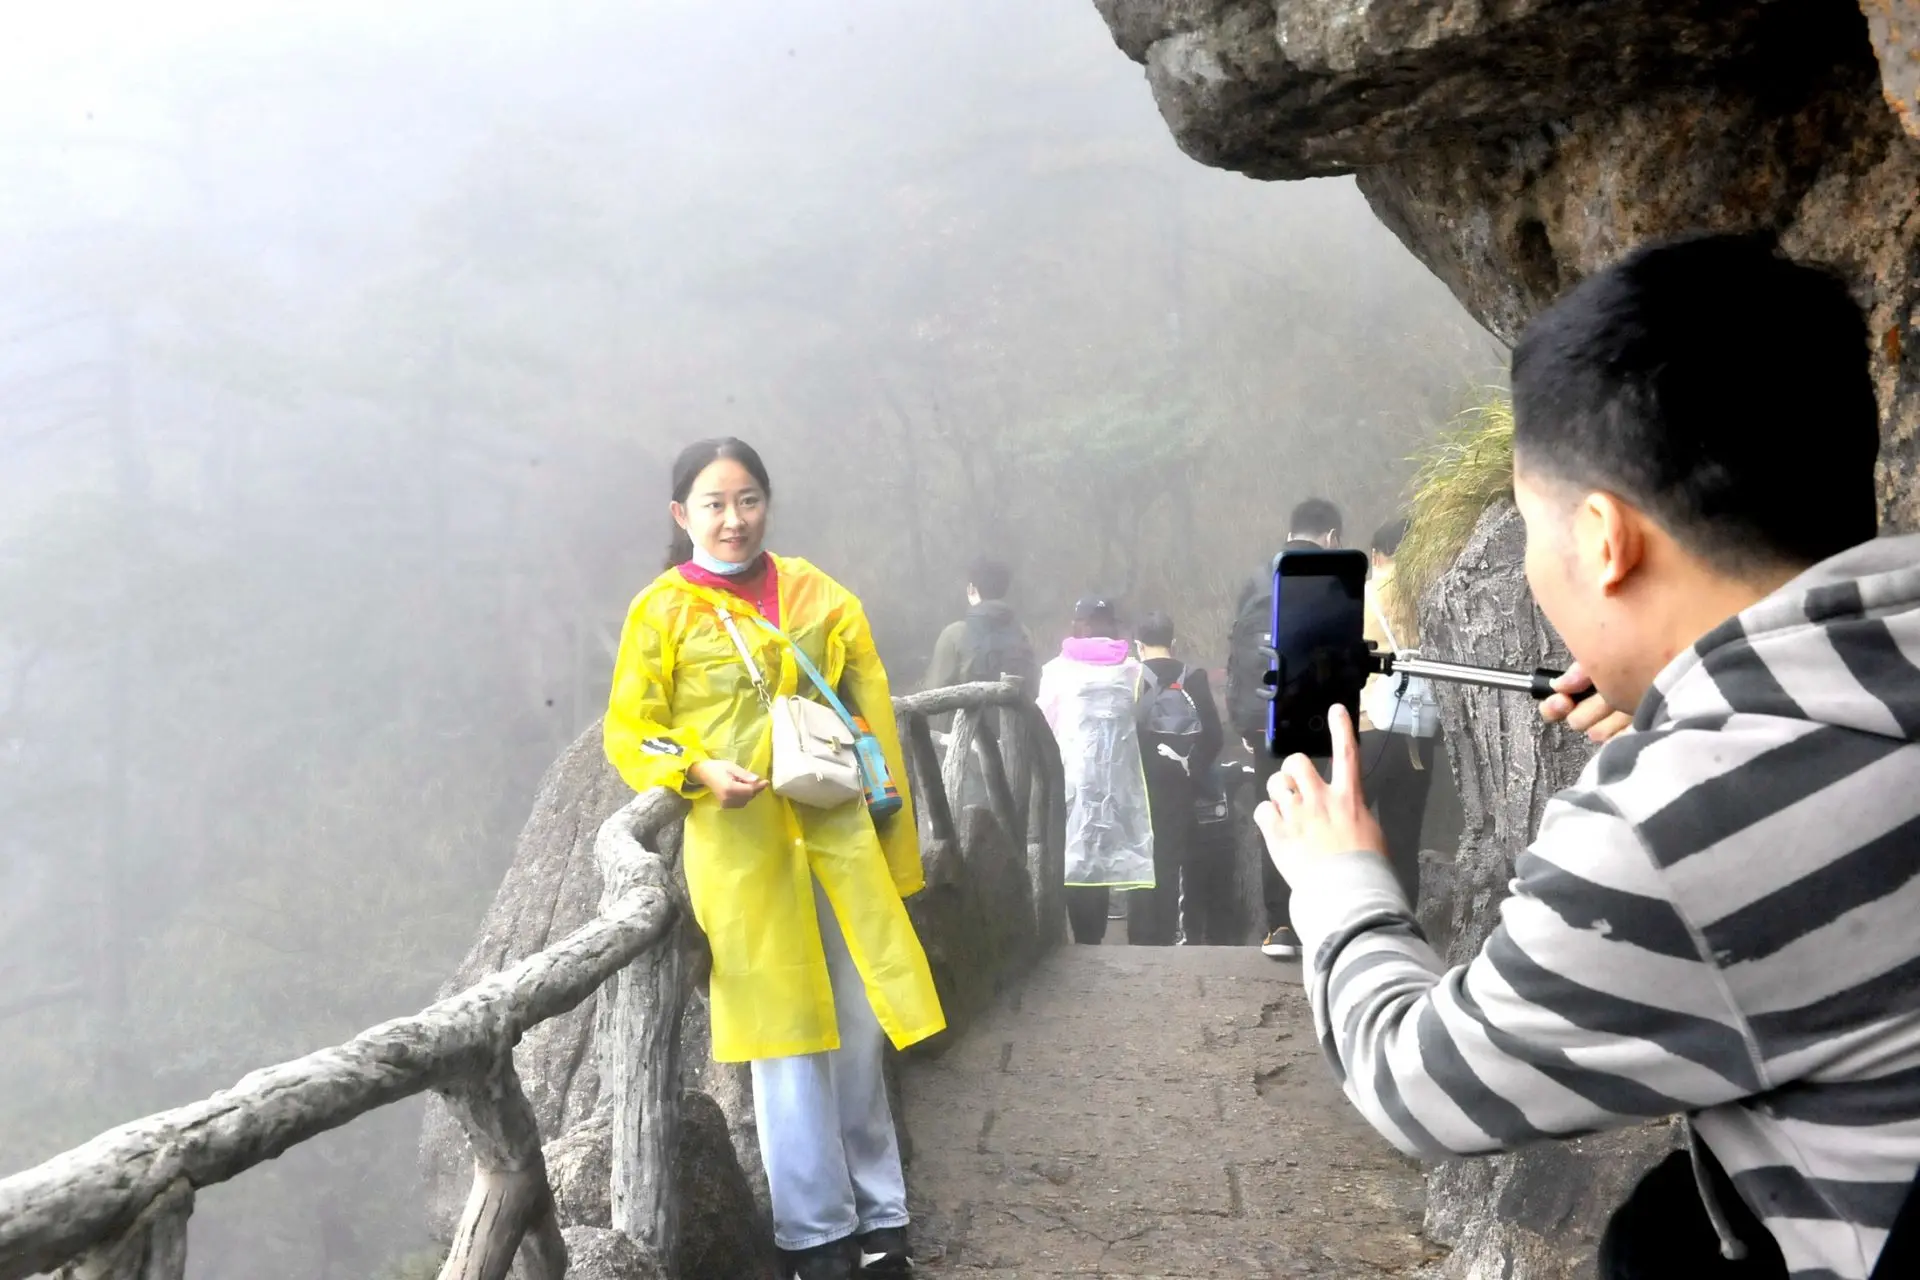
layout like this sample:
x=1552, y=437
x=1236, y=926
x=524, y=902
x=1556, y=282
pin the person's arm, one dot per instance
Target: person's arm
x=864, y=680
x=944, y=669
x=1212, y=737
x=1591, y=1005
x=641, y=741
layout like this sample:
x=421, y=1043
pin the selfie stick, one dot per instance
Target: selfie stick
x=1538, y=683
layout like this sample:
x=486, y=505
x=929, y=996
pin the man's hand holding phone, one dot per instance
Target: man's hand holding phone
x=1307, y=816
x=1592, y=715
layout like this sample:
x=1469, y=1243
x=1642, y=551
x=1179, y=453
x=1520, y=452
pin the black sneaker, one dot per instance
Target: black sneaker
x=884, y=1253
x=1282, y=944
x=822, y=1262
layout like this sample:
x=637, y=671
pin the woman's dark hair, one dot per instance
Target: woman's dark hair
x=694, y=459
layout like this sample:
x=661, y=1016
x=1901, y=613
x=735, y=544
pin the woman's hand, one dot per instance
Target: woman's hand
x=731, y=785
x=1592, y=715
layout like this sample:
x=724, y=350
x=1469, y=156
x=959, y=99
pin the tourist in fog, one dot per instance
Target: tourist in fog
x=1088, y=694
x=1399, y=721
x=1717, y=919
x=796, y=902
x=989, y=642
x=1314, y=525
x=1179, y=741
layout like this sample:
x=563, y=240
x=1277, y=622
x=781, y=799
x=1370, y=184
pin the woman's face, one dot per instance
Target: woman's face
x=725, y=512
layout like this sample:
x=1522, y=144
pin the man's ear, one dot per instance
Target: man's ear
x=1616, y=538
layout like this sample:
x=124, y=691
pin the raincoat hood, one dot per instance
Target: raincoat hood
x=1098, y=650
x=1835, y=646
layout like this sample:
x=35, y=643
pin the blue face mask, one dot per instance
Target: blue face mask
x=712, y=565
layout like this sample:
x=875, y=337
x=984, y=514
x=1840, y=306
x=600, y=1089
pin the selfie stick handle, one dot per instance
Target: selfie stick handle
x=1537, y=683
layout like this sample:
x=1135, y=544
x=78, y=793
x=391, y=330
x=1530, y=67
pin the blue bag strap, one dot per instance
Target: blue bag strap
x=813, y=674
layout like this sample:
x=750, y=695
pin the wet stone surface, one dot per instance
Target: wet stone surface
x=1141, y=1112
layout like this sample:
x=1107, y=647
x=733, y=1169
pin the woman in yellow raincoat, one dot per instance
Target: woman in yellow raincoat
x=814, y=958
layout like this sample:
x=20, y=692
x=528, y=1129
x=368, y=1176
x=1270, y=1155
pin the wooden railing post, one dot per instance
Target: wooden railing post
x=511, y=1205
x=639, y=1048
x=153, y=1248
x=960, y=739
x=986, y=743
x=640, y=1065
x=928, y=791
x=1016, y=753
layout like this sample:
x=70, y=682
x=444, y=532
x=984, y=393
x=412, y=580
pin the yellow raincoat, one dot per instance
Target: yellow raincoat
x=681, y=694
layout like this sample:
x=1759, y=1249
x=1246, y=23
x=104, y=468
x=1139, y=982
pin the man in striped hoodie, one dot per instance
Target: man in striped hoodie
x=1722, y=918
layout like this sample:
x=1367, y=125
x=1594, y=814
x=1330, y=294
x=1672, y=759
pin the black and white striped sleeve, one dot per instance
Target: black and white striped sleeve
x=1588, y=1007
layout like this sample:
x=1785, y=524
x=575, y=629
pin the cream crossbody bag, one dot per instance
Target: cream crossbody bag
x=814, y=760
x=1399, y=703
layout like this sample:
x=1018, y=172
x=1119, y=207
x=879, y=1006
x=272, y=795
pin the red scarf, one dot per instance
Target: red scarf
x=758, y=587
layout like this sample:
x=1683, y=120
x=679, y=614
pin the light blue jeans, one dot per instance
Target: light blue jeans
x=826, y=1133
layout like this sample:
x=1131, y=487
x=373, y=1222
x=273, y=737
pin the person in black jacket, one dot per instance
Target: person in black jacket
x=1180, y=738
x=990, y=641
x=1315, y=525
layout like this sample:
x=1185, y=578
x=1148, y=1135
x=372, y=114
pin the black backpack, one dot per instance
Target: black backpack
x=1169, y=711
x=1247, y=666
x=992, y=644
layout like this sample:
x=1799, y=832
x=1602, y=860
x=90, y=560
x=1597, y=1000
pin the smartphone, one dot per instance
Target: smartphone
x=1319, y=620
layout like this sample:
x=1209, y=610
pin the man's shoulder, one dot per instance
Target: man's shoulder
x=1720, y=804
x=1727, y=760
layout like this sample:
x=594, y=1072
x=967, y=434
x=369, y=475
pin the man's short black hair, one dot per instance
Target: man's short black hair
x=1718, y=387
x=991, y=578
x=1315, y=516
x=1155, y=629
x=1386, y=539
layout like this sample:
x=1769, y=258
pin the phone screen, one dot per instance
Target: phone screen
x=1318, y=624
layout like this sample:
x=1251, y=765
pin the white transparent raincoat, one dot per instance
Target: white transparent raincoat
x=1109, y=832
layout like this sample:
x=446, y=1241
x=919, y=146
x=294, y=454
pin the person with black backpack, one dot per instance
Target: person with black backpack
x=1313, y=526
x=1180, y=738
x=989, y=642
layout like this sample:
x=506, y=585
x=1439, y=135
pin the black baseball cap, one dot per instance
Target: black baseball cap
x=1089, y=607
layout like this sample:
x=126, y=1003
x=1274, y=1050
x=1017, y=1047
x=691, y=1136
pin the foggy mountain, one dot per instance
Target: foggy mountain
x=342, y=351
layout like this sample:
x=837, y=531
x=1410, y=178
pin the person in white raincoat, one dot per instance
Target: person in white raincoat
x=1088, y=696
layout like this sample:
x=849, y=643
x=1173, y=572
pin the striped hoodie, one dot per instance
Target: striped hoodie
x=1721, y=918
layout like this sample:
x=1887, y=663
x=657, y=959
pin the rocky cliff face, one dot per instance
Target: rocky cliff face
x=1515, y=147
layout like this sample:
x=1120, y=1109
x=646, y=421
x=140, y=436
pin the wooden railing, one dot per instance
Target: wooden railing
x=116, y=1208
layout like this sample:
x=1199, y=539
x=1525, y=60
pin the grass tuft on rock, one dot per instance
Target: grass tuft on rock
x=1466, y=471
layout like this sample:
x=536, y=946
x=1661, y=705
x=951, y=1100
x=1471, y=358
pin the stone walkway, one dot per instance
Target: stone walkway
x=1152, y=1112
